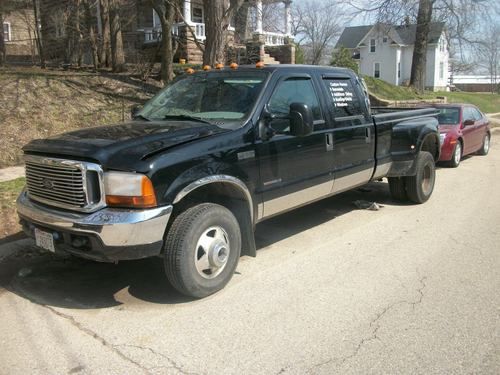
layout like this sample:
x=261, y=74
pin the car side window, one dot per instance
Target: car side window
x=477, y=115
x=293, y=90
x=468, y=115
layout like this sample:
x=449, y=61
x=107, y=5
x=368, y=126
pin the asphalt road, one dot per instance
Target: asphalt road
x=334, y=289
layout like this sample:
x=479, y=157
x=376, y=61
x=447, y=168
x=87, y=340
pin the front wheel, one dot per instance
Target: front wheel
x=485, y=148
x=202, y=250
x=457, y=155
x=420, y=187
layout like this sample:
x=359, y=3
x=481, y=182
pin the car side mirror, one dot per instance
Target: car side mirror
x=134, y=110
x=468, y=122
x=301, y=120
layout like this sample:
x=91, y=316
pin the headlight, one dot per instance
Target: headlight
x=442, y=136
x=125, y=189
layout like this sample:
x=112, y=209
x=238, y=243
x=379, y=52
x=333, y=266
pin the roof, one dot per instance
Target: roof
x=402, y=34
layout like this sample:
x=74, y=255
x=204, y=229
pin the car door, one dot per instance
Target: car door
x=469, y=130
x=294, y=170
x=353, y=133
x=480, y=128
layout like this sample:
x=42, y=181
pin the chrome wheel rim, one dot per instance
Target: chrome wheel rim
x=458, y=153
x=486, y=145
x=212, y=252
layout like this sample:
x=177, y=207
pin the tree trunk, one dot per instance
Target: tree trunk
x=2, y=42
x=214, y=31
x=419, y=61
x=91, y=33
x=38, y=36
x=105, y=45
x=117, y=53
x=166, y=12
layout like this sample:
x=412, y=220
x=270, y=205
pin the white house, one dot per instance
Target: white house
x=386, y=52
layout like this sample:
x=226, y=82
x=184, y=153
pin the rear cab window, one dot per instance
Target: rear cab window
x=346, y=107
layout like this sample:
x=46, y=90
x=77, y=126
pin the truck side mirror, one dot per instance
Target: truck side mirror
x=301, y=120
x=468, y=122
x=134, y=110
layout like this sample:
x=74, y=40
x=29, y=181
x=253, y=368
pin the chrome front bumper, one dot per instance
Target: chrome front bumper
x=110, y=229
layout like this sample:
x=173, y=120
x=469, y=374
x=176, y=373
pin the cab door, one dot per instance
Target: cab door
x=353, y=133
x=293, y=170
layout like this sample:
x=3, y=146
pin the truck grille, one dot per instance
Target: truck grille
x=64, y=183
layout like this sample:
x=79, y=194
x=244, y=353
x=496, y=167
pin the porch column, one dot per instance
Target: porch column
x=288, y=17
x=186, y=11
x=258, y=7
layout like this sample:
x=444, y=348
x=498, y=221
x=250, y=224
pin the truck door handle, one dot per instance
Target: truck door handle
x=367, y=135
x=329, y=141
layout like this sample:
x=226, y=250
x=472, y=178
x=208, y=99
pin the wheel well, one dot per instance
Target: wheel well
x=229, y=196
x=431, y=145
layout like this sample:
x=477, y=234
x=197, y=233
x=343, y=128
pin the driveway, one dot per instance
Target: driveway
x=334, y=289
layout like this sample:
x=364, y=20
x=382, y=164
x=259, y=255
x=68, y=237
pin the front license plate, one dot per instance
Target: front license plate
x=44, y=240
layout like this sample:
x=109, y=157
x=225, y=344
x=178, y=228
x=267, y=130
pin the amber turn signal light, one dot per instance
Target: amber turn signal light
x=143, y=195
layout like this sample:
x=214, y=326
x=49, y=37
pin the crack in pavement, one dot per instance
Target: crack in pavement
x=172, y=363
x=375, y=323
x=96, y=336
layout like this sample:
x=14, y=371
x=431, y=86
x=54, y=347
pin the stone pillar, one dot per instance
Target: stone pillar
x=186, y=11
x=258, y=7
x=288, y=17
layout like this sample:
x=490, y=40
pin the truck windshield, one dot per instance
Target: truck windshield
x=222, y=98
x=449, y=116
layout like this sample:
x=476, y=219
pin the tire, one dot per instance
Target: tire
x=397, y=187
x=202, y=250
x=485, y=148
x=456, y=157
x=420, y=187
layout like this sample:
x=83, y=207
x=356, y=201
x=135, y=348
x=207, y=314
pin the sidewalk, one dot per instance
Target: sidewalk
x=11, y=173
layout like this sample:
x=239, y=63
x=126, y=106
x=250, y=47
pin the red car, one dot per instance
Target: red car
x=463, y=129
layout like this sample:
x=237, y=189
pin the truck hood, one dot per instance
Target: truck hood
x=117, y=145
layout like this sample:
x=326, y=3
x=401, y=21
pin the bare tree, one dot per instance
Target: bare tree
x=316, y=25
x=166, y=10
x=461, y=17
x=116, y=39
x=218, y=15
x=488, y=53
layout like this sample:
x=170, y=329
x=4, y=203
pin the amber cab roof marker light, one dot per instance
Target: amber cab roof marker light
x=207, y=67
x=260, y=64
x=189, y=70
x=233, y=66
x=219, y=66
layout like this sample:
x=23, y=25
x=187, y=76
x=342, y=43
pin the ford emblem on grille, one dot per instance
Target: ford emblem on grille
x=48, y=184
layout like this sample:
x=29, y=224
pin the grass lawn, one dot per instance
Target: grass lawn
x=9, y=191
x=488, y=103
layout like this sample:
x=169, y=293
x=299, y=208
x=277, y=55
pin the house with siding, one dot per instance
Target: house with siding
x=18, y=34
x=386, y=52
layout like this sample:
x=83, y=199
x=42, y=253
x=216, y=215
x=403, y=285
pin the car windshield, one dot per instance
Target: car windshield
x=222, y=98
x=449, y=116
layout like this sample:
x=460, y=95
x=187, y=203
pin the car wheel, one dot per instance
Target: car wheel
x=485, y=148
x=202, y=250
x=397, y=187
x=420, y=187
x=457, y=155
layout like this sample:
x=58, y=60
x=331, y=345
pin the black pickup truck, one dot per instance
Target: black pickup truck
x=210, y=156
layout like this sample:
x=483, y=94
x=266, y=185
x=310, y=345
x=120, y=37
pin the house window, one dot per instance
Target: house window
x=197, y=14
x=7, y=36
x=156, y=20
x=372, y=45
x=384, y=39
x=399, y=69
x=376, y=70
x=441, y=70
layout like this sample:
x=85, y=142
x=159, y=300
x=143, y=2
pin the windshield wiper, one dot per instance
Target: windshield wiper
x=186, y=117
x=140, y=117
